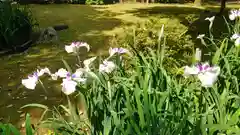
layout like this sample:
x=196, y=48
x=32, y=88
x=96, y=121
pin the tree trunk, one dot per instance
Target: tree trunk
x=223, y=5
x=198, y=2
x=152, y=1
x=120, y=1
x=142, y=1
x=147, y=1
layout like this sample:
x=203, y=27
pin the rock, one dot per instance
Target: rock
x=23, y=125
x=19, y=111
x=9, y=106
x=22, y=115
x=45, y=35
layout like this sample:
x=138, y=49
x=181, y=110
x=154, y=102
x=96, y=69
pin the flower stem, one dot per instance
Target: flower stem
x=43, y=86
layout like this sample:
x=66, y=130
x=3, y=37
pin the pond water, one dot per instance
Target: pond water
x=16, y=67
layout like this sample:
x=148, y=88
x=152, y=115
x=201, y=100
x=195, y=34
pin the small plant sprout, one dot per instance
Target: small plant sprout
x=201, y=36
x=234, y=14
x=211, y=19
x=198, y=55
x=206, y=74
x=75, y=46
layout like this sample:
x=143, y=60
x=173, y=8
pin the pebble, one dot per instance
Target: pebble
x=19, y=111
x=80, y=113
x=11, y=105
x=9, y=90
x=23, y=125
x=24, y=92
x=22, y=115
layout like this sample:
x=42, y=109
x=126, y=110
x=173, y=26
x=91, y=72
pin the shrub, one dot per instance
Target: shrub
x=16, y=25
x=145, y=35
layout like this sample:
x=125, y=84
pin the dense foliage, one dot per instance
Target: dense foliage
x=15, y=25
x=146, y=35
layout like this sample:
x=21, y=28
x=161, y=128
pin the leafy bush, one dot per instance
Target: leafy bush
x=145, y=35
x=16, y=25
x=134, y=94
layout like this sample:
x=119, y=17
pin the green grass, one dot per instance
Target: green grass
x=93, y=24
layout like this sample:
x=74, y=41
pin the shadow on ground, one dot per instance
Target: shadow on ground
x=194, y=19
x=85, y=24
